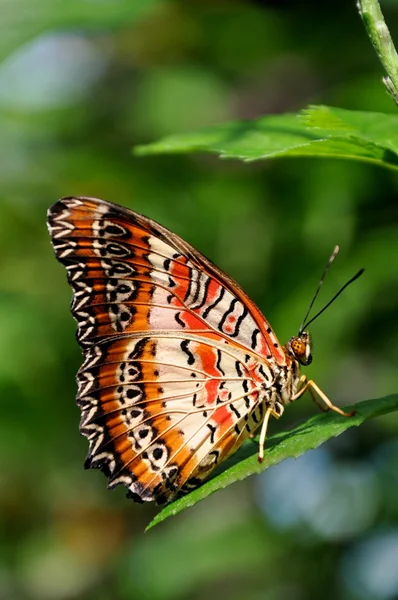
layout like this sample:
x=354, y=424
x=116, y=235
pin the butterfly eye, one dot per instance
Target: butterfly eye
x=298, y=347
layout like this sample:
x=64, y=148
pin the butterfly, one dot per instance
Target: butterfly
x=180, y=366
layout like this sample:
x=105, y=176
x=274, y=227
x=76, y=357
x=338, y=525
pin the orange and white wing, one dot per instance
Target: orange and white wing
x=167, y=389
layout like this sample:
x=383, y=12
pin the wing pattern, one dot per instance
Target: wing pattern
x=170, y=384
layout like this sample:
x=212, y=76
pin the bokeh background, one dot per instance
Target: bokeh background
x=81, y=82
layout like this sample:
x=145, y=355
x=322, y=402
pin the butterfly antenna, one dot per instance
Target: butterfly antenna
x=331, y=259
x=334, y=298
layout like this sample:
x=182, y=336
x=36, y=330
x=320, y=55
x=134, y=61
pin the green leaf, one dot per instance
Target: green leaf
x=316, y=131
x=294, y=443
x=22, y=20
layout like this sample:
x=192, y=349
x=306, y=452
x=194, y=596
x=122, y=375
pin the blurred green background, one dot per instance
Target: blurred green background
x=81, y=82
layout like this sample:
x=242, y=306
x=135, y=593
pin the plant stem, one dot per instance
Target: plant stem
x=380, y=37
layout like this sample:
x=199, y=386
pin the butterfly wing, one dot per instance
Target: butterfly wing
x=167, y=389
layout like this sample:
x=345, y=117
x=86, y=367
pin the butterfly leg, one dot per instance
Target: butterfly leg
x=311, y=386
x=322, y=407
x=301, y=385
x=270, y=412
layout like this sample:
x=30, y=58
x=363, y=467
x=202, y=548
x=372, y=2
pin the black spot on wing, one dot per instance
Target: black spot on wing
x=185, y=349
x=213, y=430
x=214, y=304
x=178, y=319
x=189, y=286
x=238, y=323
x=254, y=417
x=235, y=410
x=227, y=313
x=263, y=372
x=254, y=338
x=238, y=368
x=218, y=364
x=204, y=297
x=139, y=348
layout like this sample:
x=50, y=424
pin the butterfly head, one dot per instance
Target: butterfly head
x=300, y=347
